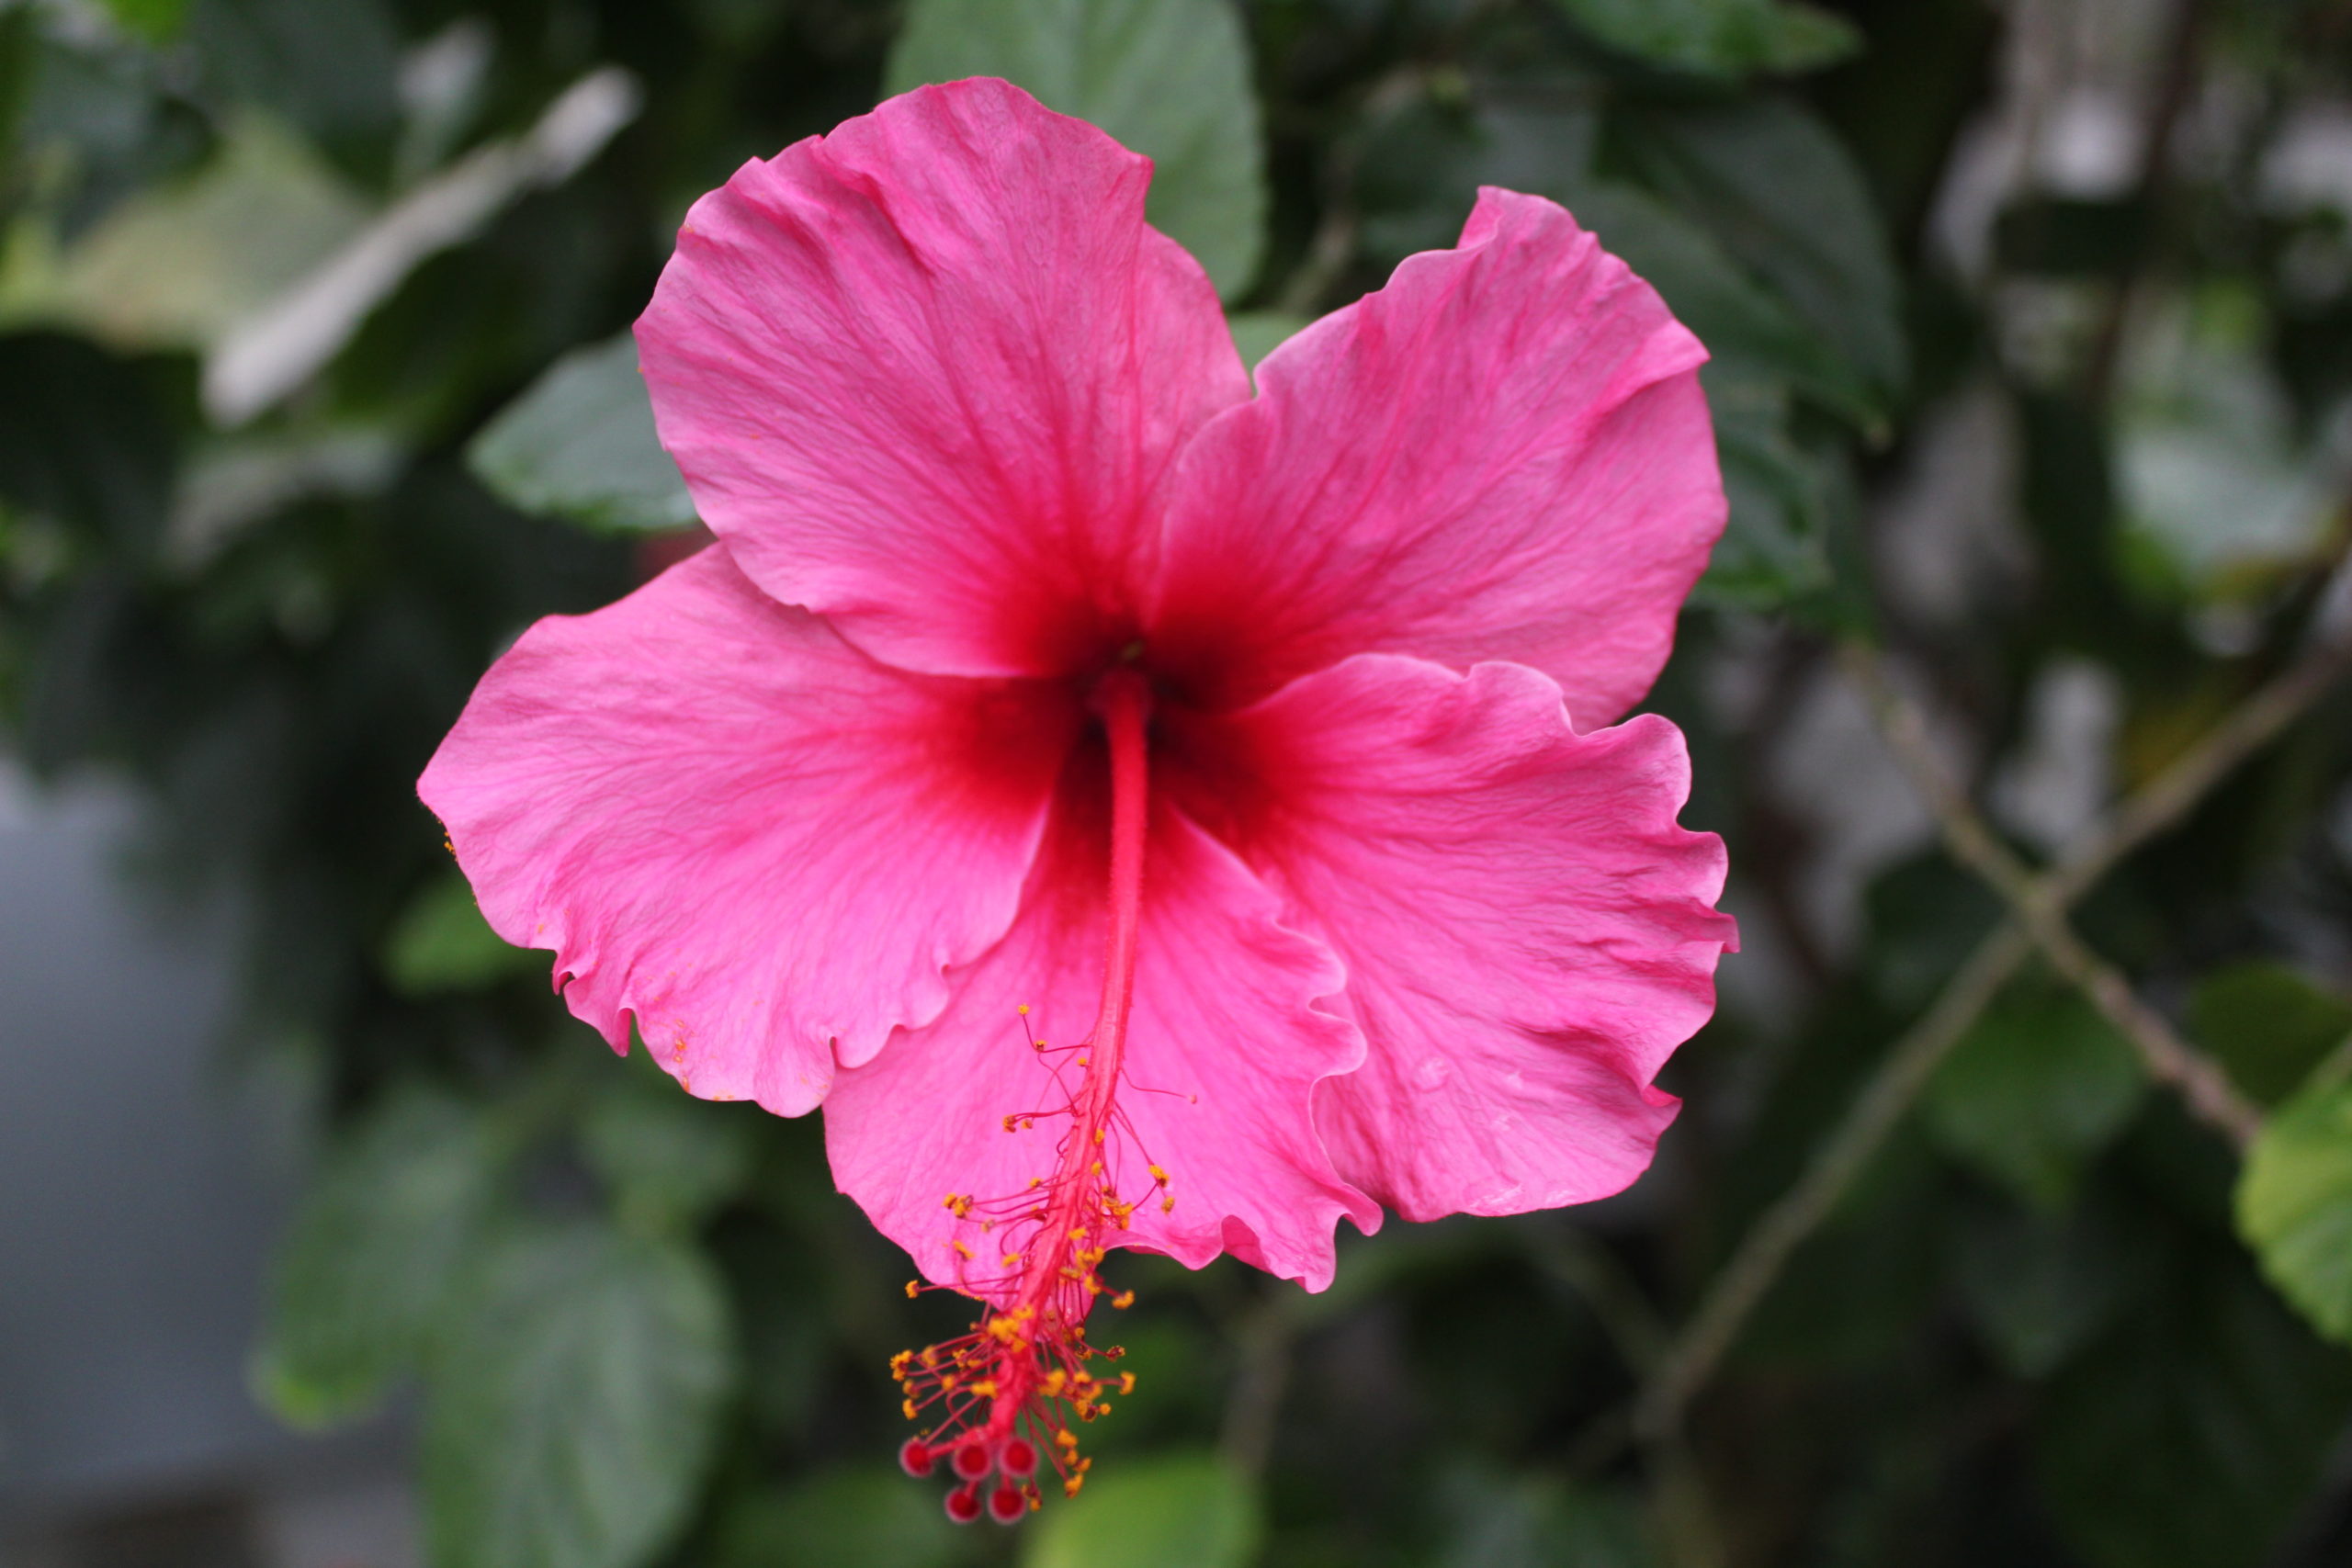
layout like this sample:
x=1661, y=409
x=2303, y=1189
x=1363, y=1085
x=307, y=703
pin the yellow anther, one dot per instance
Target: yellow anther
x=1098, y=1135
x=1167, y=1203
x=908, y=1406
x=914, y=1289
x=961, y=1250
x=1159, y=1176
x=1123, y=1300
x=1023, y=1009
x=1126, y=1382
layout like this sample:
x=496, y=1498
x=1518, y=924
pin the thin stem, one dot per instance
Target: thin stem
x=2157, y=806
x=2177, y=790
x=1764, y=1251
x=1253, y=1410
x=2169, y=1059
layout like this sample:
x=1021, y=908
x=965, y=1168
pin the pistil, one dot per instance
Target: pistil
x=1008, y=1391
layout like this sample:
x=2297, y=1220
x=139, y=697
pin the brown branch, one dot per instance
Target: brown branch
x=2159, y=805
x=1764, y=1251
x=2169, y=1059
x=2174, y=86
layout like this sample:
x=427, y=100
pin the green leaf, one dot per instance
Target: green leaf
x=333, y=69
x=669, y=1157
x=580, y=444
x=365, y=1276
x=1169, y=78
x=1179, y=1511
x=871, y=1519
x=570, y=1413
x=1257, y=334
x=1751, y=337
x=157, y=21
x=1782, y=195
x=1773, y=547
x=2191, y=1434
x=2269, y=1025
x=441, y=943
x=1541, y=1522
x=1718, y=38
x=2294, y=1205
x=2040, y=1085
x=2038, y=1286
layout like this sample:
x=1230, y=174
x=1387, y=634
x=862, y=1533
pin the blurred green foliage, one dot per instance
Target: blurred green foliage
x=2052, y=1321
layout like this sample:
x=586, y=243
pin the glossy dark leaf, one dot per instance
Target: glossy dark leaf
x=2037, y=1087
x=1169, y=78
x=1783, y=195
x=1718, y=38
x=2190, y=1434
x=2269, y=1025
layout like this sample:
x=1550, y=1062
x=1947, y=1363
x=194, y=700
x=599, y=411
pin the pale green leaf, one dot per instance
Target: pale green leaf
x=442, y=943
x=1167, y=78
x=2294, y=1205
x=1179, y=1511
x=1257, y=334
x=177, y=266
x=571, y=1411
x=157, y=21
x=366, y=1274
x=668, y=1158
x=580, y=444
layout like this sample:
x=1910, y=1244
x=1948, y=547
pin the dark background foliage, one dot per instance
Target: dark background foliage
x=2033, y=328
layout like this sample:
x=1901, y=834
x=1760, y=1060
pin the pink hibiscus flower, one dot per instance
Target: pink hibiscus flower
x=1247, y=749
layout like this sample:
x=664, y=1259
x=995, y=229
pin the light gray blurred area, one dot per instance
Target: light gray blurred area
x=148, y=1171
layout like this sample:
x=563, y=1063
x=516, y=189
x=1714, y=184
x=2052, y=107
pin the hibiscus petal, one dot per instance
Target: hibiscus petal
x=1225, y=1053
x=1502, y=455
x=734, y=827
x=928, y=375
x=1527, y=932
